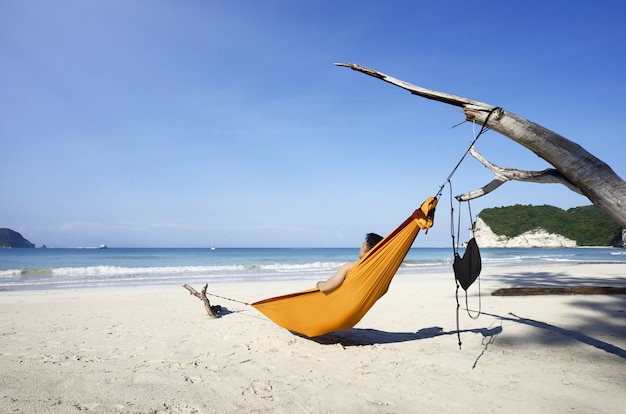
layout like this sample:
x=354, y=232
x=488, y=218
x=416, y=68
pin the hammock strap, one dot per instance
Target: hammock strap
x=455, y=250
x=458, y=307
x=483, y=129
x=469, y=208
x=232, y=300
x=455, y=254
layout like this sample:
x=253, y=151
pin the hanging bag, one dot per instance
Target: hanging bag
x=468, y=267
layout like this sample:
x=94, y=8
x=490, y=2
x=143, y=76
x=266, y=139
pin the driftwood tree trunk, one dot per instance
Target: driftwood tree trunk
x=212, y=311
x=594, y=178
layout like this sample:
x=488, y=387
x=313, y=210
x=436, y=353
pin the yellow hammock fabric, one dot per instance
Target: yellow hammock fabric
x=313, y=313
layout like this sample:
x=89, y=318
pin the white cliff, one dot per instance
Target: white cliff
x=485, y=237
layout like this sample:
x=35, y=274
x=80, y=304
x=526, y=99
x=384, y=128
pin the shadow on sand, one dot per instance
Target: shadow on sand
x=357, y=336
x=610, y=318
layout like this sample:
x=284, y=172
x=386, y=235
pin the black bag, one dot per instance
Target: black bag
x=467, y=269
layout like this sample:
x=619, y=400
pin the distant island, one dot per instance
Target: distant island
x=546, y=226
x=12, y=239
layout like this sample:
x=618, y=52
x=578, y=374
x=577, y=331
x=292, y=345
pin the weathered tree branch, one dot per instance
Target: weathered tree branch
x=212, y=311
x=502, y=175
x=418, y=90
x=574, y=290
x=594, y=178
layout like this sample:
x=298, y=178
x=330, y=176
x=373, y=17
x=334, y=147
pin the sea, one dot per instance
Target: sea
x=57, y=268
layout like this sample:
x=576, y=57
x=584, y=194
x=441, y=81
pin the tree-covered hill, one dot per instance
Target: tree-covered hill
x=10, y=238
x=587, y=224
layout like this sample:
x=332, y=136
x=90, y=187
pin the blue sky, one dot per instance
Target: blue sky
x=188, y=123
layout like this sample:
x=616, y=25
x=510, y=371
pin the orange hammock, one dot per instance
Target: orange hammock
x=312, y=313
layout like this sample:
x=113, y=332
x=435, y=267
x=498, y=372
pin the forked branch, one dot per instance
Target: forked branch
x=502, y=175
x=212, y=311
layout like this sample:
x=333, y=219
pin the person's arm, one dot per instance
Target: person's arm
x=335, y=280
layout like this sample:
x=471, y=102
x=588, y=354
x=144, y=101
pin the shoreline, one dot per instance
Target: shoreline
x=405, y=269
x=154, y=349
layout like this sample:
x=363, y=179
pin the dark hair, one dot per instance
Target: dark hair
x=372, y=239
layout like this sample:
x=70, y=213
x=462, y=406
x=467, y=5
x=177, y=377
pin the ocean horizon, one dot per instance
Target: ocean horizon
x=68, y=268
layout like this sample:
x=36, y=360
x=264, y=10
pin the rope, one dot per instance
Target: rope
x=232, y=300
x=458, y=164
x=480, y=306
x=458, y=231
x=455, y=254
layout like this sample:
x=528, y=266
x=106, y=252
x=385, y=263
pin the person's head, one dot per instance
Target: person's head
x=371, y=239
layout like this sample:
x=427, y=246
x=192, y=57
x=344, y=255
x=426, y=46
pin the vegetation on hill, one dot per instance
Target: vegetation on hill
x=587, y=224
x=10, y=238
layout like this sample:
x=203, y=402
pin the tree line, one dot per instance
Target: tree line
x=588, y=225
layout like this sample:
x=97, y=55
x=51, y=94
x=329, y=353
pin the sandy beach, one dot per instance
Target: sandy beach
x=154, y=350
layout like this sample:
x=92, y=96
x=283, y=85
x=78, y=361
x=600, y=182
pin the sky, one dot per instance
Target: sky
x=191, y=123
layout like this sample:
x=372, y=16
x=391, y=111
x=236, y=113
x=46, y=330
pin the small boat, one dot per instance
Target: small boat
x=103, y=246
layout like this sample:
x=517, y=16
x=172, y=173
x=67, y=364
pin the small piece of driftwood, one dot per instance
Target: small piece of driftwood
x=212, y=311
x=581, y=290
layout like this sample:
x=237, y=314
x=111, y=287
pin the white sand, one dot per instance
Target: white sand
x=154, y=350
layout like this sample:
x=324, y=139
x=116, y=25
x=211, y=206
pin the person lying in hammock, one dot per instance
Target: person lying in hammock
x=332, y=283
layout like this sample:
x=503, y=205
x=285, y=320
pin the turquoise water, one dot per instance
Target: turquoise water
x=23, y=269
